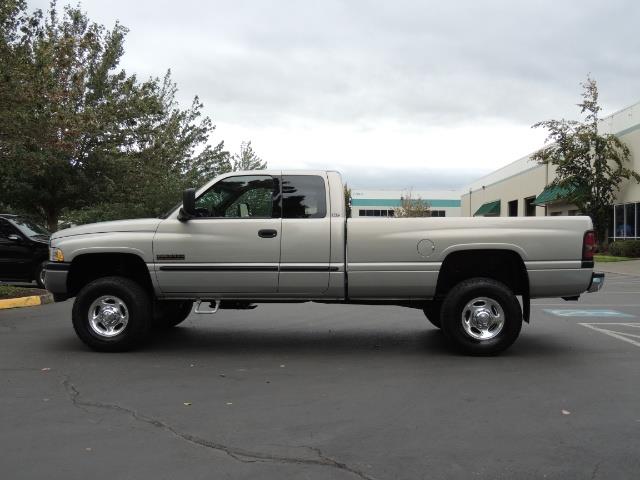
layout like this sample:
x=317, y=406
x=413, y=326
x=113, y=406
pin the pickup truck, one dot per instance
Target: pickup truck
x=284, y=236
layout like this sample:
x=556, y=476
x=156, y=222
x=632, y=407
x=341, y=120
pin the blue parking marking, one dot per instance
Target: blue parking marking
x=591, y=312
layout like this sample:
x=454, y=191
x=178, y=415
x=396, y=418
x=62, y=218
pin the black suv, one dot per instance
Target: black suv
x=24, y=249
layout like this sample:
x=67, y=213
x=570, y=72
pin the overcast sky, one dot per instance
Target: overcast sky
x=423, y=94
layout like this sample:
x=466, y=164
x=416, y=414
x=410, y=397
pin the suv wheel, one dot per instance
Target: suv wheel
x=112, y=314
x=481, y=316
x=39, y=274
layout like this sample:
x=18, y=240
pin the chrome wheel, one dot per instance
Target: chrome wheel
x=482, y=318
x=108, y=316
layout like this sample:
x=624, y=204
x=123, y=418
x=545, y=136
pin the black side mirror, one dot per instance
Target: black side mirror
x=188, y=209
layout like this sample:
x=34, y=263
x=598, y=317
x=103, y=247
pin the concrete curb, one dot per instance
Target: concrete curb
x=30, y=301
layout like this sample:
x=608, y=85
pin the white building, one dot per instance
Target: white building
x=381, y=203
x=522, y=187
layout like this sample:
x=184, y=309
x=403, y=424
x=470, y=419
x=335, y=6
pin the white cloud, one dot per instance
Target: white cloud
x=438, y=90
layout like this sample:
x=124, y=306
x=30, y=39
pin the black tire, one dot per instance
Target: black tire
x=39, y=275
x=169, y=313
x=455, y=305
x=138, y=307
x=433, y=311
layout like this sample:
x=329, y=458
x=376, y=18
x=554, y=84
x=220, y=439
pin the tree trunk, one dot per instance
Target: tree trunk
x=52, y=220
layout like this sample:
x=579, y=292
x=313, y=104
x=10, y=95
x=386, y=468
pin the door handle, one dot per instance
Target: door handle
x=267, y=233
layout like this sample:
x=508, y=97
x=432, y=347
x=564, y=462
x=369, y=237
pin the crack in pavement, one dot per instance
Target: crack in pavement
x=245, y=456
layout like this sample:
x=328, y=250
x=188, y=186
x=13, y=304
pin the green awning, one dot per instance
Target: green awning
x=553, y=193
x=490, y=209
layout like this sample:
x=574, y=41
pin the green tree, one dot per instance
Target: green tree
x=347, y=199
x=590, y=166
x=247, y=159
x=78, y=135
x=412, y=207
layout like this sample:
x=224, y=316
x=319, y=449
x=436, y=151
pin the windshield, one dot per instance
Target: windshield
x=30, y=229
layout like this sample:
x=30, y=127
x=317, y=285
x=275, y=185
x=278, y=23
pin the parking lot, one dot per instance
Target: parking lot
x=316, y=391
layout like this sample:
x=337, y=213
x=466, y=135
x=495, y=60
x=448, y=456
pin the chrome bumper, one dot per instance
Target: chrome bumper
x=597, y=282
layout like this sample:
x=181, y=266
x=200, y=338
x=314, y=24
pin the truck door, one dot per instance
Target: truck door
x=306, y=235
x=233, y=246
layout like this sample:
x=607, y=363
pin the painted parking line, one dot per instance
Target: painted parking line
x=584, y=305
x=632, y=338
x=588, y=312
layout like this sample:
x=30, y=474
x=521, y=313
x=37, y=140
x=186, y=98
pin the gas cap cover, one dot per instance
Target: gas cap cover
x=426, y=247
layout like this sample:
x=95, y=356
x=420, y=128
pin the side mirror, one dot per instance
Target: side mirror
x=15, y=238
x=188, y=209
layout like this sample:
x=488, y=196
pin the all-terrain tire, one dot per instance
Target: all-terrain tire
x=102, y=303
x=477, y=302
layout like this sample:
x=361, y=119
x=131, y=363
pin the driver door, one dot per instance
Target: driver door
x=232, y=247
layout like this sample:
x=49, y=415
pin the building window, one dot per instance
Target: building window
x=391, y=213
x=529, y=207
x=624, y=222
x=573, y=213
x=513, y=208
x=375, y=213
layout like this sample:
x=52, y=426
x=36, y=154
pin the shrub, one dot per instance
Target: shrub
x=625, y=248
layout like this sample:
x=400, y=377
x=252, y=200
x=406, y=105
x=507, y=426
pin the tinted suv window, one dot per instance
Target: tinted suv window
x=303, y=196
x=6, y=229
x=249, y=196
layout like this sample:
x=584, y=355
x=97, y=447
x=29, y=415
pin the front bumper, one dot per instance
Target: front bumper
x=55, y=279
x=597, y=282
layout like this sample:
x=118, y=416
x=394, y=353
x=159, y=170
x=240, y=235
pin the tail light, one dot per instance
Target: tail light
x=589, y=245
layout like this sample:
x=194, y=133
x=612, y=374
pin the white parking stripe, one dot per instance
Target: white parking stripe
x=583, y=305
x=612, y=333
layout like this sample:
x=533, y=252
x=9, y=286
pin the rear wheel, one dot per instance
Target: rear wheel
x=112, y=314
x=169, y=313
x=481, y=316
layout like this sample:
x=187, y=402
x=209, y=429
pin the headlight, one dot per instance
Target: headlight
x=56, y=255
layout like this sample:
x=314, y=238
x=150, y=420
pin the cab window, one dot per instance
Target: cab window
x=303, y=196
x=245, y=196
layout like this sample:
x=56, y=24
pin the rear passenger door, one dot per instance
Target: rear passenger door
x=306, y=235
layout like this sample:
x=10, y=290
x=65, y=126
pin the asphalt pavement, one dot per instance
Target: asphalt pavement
x=326, y=391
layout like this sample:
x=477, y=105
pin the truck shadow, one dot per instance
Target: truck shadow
x=426, y=341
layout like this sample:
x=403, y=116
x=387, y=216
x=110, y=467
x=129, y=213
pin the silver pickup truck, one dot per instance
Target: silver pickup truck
x=283, y=236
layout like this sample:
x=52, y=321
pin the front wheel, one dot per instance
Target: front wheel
x=39, y=274
x=481, y=316
x=112, y=314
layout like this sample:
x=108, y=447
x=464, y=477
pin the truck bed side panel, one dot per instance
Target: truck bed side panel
x=401, y=257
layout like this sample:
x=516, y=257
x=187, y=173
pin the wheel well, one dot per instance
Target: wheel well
x=505, y=266
x=86, y=268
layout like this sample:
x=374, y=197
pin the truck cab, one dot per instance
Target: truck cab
x=257, y=234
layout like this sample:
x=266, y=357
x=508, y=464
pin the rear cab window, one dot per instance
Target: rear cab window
x=303, y=196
